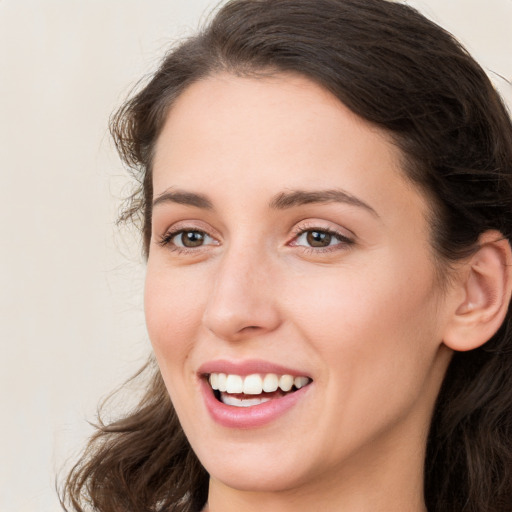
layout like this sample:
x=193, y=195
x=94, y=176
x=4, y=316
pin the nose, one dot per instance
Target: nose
x=243, y=297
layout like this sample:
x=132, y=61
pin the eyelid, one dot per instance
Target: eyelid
x=190, y=225
x=323, y=225
x=346, y=237
x=174, y=236
x=165, y=239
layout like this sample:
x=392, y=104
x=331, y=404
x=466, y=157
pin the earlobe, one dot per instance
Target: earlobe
x=487, y=287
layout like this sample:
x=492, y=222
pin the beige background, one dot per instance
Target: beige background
x=71, y=282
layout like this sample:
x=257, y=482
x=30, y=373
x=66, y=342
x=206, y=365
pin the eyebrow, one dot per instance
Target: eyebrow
x=183, y=197
x=294, y=198
x=282, y=201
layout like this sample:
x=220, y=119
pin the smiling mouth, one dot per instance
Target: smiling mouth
x=255, y=389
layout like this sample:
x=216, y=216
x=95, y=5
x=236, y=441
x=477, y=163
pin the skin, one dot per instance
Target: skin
x=365, y=319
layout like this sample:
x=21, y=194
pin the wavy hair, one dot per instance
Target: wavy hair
x=406, y=75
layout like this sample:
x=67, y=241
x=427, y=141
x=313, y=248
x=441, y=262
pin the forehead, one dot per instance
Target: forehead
x=278, y=111
x=278, y=132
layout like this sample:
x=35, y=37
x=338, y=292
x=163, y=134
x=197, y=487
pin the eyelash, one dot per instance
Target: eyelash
x=166, y=240
x=344, y=242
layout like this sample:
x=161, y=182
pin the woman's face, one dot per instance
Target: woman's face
x=286, y=241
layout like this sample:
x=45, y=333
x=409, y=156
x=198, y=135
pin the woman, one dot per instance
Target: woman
x=326, y=190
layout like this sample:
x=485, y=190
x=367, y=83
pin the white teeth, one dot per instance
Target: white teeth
x=221, y=382
x=255, y=384
x=234, y=384
x=214, y=380
x=270, y=382
x=286, y=382
x=239, y=402
x=300, y=382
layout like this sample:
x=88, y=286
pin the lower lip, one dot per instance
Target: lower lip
x=249, y=417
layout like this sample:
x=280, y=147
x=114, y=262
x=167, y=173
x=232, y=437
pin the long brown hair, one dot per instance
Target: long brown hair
x=406, y=75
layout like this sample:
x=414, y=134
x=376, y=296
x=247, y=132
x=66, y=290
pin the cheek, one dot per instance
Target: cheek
x=375, y=335
x=374, y=320
x=172, y=310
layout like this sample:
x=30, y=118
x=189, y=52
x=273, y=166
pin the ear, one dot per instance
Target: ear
x=485, y=286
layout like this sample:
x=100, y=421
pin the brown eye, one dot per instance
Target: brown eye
x=190, y=239
x=318, y=238
x=187, y=239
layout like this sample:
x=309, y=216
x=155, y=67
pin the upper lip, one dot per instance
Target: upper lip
x=247, y=367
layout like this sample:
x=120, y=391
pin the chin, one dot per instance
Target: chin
x=256, y=468
x=257, y=477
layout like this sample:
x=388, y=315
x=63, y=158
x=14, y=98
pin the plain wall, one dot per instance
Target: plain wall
x=71, y=282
